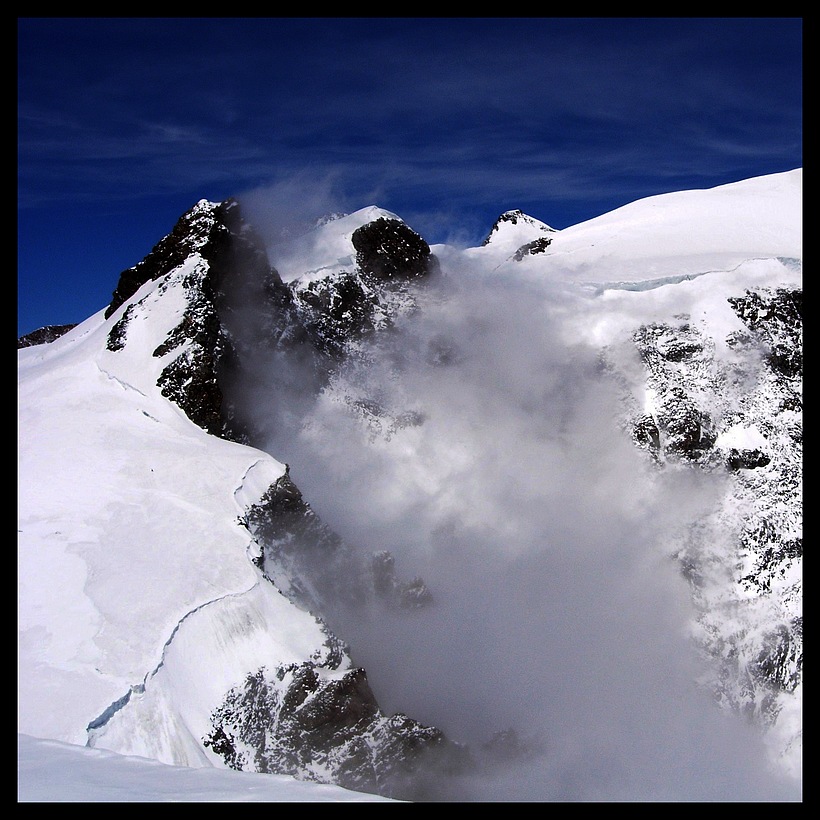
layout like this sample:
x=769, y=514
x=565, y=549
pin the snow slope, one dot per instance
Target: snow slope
x=49, y=771
x=129, y=543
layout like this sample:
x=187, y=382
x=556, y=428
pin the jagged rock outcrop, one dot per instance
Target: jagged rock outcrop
x=304, y=558
x=776, y=319
x=387, y=249
x=235, y=302
x=742, y=417
x=214, y=231
x=312, y=565
x=43, y=335
x=208, y=246
x=301, y=721
x=412, y=594
x=678, y=428
x=337, y=310
x=340, y=309
x=536, y=246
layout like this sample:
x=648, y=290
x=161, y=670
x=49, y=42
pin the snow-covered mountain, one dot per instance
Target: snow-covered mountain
x=328, y=509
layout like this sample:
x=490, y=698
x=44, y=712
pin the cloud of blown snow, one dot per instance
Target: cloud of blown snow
x=481, y=446
x=289, y=206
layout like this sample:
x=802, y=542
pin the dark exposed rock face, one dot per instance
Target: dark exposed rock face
x=698, y=404
x=646, y=435
x=389, y=249
x=745, y=458
x=190, y=379
x=536, y=246
x=203, y=229
x=43, y=335
x=507, y=216
x=337, y=310
x=313, y=566
x=412, y=594
x=301, y=722
x=236, y=271
x=304, y=558
x=341, y=309
x=678, y=429
x=221, y=264
x=119, y=332
x=776, y=318
x=770, y=540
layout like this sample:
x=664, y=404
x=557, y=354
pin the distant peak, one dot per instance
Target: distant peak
x=519, y=221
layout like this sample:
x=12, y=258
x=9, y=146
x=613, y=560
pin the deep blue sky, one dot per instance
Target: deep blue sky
x=124, y=123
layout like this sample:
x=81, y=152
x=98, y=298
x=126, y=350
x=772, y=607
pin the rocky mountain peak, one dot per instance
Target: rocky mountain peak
x=389, y=249
x=194, y=229
x=518, y=223
x=218, y=262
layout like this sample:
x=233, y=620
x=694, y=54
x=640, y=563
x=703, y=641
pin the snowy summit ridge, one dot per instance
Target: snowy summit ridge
x=516, y=227
x=182, y=600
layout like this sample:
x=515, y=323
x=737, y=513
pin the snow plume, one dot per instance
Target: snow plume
x=480, y=444
x=287, y=208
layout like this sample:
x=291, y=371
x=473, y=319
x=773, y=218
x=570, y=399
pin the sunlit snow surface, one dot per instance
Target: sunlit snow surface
x=52, y=772
x=133, y=571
